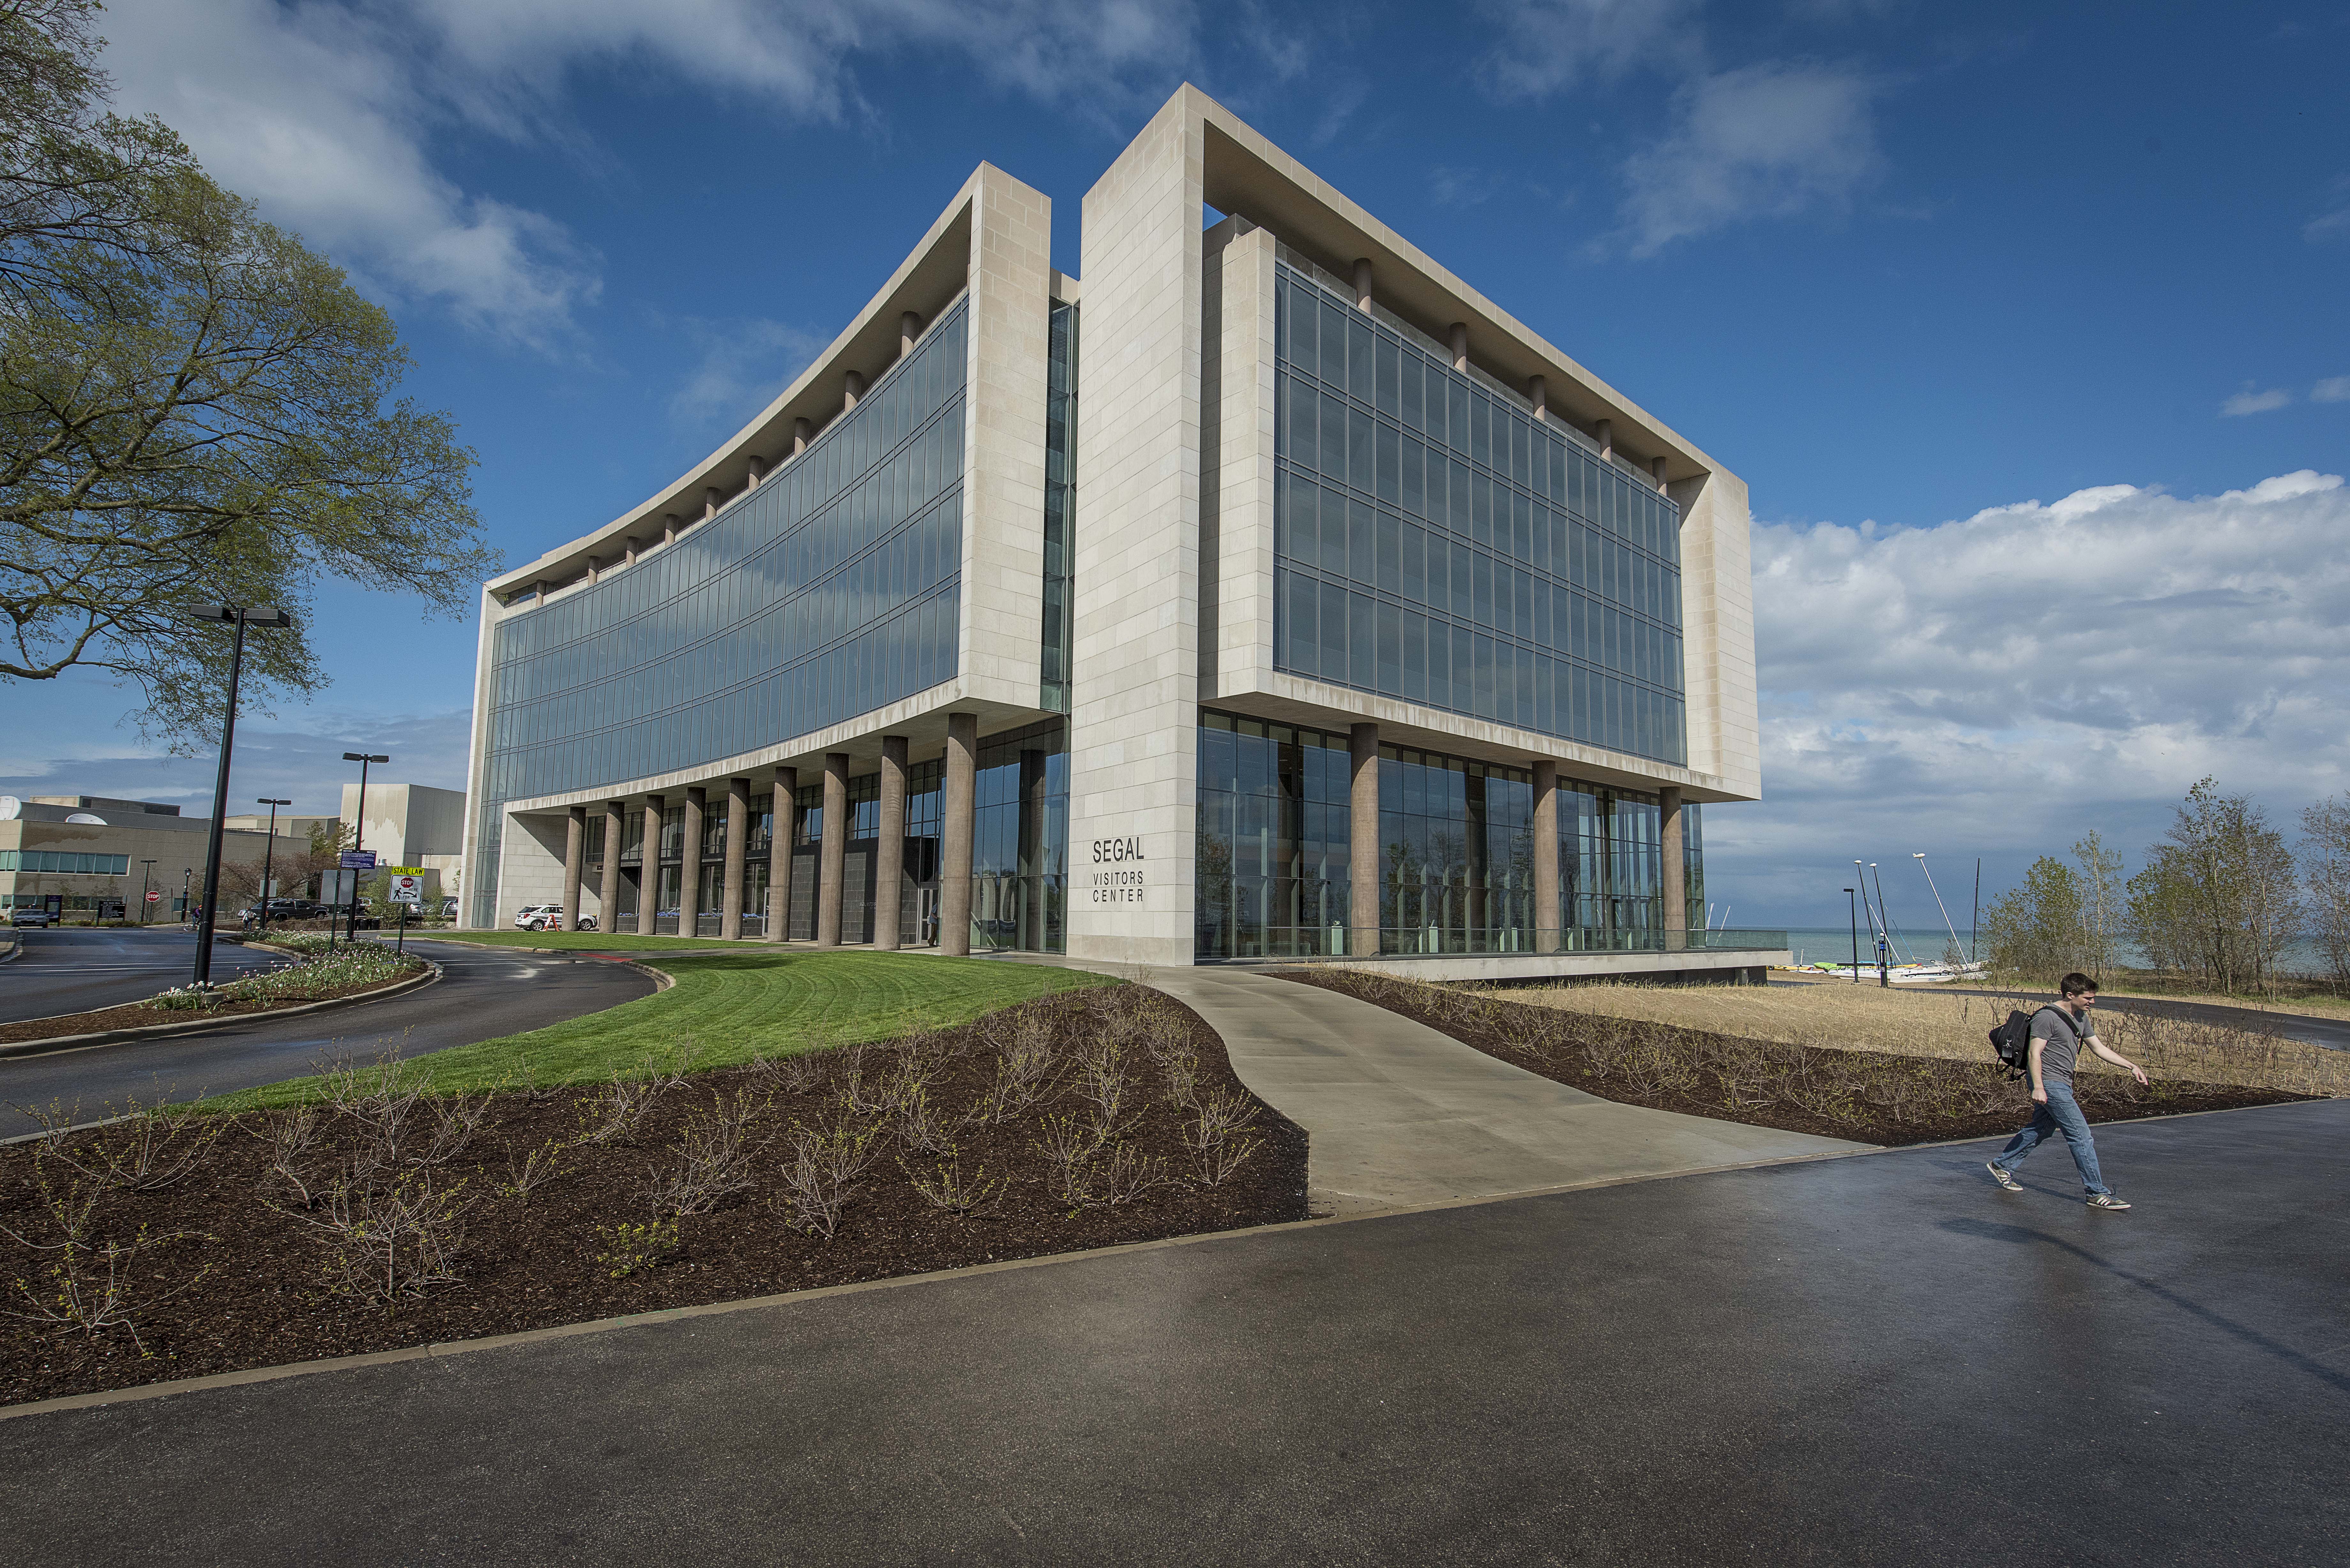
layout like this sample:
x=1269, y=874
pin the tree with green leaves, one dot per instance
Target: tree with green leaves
x=194, y=406
x=2218, y=897
x=2032, y=932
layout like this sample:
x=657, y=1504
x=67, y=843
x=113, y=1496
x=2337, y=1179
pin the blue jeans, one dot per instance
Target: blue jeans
x=2060, y=1114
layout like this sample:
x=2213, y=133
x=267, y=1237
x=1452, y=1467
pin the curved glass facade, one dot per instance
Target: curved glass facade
x=831, y=590
x=1438, y=544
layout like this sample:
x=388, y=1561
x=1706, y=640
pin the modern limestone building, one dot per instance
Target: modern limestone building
x=1270, y=592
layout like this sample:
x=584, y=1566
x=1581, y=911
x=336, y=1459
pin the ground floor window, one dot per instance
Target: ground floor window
x=1456, y=851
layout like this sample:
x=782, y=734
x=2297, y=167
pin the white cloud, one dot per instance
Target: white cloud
x=2249, y=401
x=316, y=114
x=1764, y=140
x=326, y=112
x=2333, y=389
x=1550, y=45
x=2334, y=223
x=743, y=364
x=2001, y=684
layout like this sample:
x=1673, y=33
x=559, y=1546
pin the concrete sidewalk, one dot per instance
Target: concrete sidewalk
x=1399, y=1114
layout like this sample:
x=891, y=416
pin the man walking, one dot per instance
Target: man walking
x=2057, y=1035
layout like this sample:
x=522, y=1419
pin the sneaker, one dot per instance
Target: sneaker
x=1999, y=1174
x=2105, y=1200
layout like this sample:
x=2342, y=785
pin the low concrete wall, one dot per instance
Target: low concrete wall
x=1654, y=969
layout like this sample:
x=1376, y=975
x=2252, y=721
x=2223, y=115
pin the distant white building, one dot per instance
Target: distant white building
x=411, y=824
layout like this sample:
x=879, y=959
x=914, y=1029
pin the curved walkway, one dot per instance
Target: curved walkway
x=1399, y=1114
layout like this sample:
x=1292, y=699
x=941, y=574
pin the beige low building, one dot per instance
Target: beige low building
x=81, y=854
x=1272, y=592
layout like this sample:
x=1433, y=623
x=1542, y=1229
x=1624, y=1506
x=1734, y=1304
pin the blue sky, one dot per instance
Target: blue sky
x=1918, y=274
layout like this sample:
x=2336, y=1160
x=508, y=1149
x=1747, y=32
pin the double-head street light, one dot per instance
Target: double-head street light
x=1852, y=911
x=269, y=854
x=240, y=617
x=358, y=831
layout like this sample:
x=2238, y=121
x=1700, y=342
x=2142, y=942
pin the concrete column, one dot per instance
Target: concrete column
x=574, y=851
x=758, y=473
x=689, y=874
x=1657, y=471
x=958, y=816
x=711, y=500
x=803, y=432
x=1032, y=779
x=834, y=866
x=855, y=390
x=591, y=561
x=1460, y=347
x=889, y=854
x=1363, y=840
x=1676, y=882
x=779, y=853
x=649, y=870
x=909, y=326
x=633, y=553
x=1549, y=914
x=1363, y=284
x=1604, y=432
x=1539, y=391
x=538, y=595
x=616, y=820
x=668, y=527
x=738, y=834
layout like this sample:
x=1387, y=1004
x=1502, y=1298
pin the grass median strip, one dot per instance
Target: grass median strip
x=584, y=941
x=726, y=1009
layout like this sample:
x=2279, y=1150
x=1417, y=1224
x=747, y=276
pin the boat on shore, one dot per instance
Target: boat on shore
x=1906, y=973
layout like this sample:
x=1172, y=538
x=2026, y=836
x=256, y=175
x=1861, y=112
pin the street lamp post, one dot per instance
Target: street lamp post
x=255, y=615
x=1851, y=912
x=269, y=854
x=359, y=833
x=146, y=880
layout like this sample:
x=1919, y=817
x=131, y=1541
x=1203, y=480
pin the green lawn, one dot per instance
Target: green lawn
x=594, y=942
x=728, y=1007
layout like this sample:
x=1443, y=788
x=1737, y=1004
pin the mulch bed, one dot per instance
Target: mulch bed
x=1868, y=1097
x=139, y=1015
x=258, y=1289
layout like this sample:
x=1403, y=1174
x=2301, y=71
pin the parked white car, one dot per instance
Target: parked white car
x=548, y=917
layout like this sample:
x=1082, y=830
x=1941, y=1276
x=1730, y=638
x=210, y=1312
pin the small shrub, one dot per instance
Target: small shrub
x=821, y=1174
x=630, y=1249
x=949, y=1189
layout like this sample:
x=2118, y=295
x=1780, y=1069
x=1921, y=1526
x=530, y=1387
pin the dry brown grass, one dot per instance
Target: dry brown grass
x=1913, y=1024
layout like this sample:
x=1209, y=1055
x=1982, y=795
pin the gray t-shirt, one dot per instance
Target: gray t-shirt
x=2056, y=1026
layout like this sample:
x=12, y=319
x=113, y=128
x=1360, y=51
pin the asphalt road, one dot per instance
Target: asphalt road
x=485, y=992
x=78, y=968
x=1874, y=1360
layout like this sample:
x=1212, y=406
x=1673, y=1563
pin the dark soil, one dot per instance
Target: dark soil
x=254, y=1290
x=1868, y=1097
x=141, y=1015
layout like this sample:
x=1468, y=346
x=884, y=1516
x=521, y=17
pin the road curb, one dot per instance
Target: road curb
x=167, y=1031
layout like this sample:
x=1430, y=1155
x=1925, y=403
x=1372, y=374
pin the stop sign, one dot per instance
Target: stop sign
x=154, y=897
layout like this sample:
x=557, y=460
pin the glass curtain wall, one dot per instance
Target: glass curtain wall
x=1438, y=544
x=1020, y=841
x=832, y=589
x=1457, y=855
x=1272, y=875
x=1456, y=851
x=1060, y=506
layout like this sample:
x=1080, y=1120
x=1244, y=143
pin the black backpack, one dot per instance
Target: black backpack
x=2012, y=1040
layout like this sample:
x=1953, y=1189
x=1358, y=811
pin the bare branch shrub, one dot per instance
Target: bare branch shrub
x=1217, y=1135
x=535, y=1169
x=1025, y=1073
x=615, y=1109
x=91, y=1286
x=947, y=1189
x=148, y=1152
x=290, y=1135
x=920, y=1124
x=388, y=1236
x=820, y=1174
x=713, y=1157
